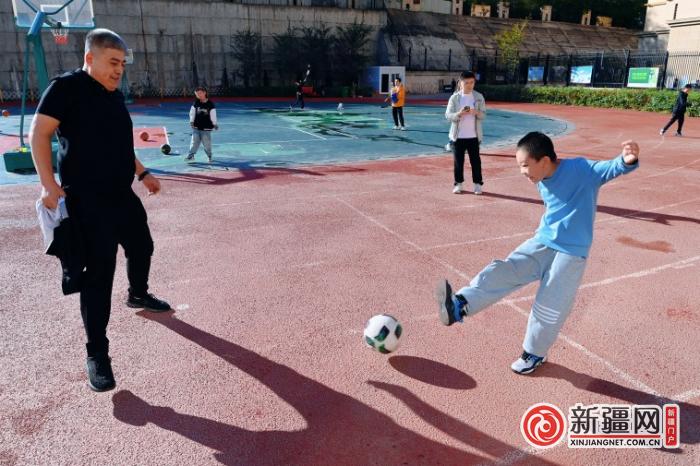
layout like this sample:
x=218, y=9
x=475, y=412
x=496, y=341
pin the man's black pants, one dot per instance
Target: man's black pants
x=680, y=117
x=397, y=113
x=471, y=146
x=106, y=223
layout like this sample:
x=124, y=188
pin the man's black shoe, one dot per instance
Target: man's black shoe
x=147, y=302
x=99, y=370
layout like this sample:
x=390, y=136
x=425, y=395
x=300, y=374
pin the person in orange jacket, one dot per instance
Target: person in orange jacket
x=397, y=95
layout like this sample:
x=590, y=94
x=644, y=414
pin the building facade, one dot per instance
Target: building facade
x=671, y=25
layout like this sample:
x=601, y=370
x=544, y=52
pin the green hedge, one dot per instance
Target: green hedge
x=649, y=100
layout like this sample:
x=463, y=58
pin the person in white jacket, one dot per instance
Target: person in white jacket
x=202, y=121
x=465, y=110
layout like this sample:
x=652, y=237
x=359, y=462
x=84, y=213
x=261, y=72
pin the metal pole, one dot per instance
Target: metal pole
x=625, y=78
x=33, y=42
x=663, y=75
x=449, y=61
x=425, y=58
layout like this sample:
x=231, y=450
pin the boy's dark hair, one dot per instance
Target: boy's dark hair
x=688, y=86
x=202, y=88
x=397, y=79
x=538, y=145
x=467, y=75
x=101, y=38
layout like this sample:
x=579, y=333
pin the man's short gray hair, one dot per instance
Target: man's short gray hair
x=104, y=39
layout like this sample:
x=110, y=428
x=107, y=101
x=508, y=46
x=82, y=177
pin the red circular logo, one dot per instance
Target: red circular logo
x=543, y=425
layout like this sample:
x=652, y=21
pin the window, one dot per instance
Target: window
x=416, y=2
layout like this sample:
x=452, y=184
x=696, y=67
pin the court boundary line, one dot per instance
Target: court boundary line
x=513, y=302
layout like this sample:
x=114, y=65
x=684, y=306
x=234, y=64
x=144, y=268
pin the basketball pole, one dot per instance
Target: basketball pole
x=34, y=43
x=18, y=160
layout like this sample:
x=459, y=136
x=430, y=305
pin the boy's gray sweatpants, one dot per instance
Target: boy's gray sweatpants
x=559, y=275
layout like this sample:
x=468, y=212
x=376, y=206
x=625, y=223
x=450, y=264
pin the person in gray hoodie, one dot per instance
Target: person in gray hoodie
x=465, y=110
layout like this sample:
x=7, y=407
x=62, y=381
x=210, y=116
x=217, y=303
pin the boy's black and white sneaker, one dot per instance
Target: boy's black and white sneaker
x=527, y=363
x=147, y=302
x=99, y=371
x=452, y=308
x=189, y=158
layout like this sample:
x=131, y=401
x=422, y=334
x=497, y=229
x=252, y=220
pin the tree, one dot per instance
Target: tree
x=349, y=46
x=509, y=42
x=316, y=49
x=246, y=46
x=286, y=52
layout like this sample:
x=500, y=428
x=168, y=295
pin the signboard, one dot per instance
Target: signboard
x=581, y=74
x=643, y=77
x=535, y=73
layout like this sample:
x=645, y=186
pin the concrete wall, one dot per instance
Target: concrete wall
x=169, y=36
x=429, y=82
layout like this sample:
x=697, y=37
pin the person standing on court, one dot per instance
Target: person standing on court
x=397, y=96
x=96, y=166
x=202, y=121
x=678, y=111
x=465, y=110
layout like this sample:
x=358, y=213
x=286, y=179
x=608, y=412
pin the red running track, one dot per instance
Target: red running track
x=273, y=273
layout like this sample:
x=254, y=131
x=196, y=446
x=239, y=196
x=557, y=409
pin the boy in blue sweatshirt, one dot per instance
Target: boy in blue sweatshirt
x=556, y=255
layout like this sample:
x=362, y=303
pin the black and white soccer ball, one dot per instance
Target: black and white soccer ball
x=382, y=332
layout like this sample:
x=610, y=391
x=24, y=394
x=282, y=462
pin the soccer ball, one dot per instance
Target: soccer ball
x=382, y=332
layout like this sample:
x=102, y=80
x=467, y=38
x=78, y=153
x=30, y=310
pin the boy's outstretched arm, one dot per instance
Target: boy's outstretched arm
x=628, y=161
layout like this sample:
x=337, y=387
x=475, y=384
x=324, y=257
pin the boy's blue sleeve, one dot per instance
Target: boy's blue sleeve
x=606, y=170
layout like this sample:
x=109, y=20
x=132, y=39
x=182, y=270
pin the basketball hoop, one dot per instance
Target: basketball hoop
x=60, y=34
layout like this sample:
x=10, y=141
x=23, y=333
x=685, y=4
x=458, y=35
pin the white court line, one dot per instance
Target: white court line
x=310, y=134
x=393, y=233
x=263, y=142
x=686, y=396
x=615, y=219
x=590, y=354
x=654, y=175
x=347, y=135
x=512, y=302
x=513, y=457
x=608, y=281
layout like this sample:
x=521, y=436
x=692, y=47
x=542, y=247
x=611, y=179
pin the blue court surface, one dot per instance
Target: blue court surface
x=268, y=134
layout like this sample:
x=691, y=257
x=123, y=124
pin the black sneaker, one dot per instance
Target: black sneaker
x=147, y=302
x=99, y=370
x=452, y=308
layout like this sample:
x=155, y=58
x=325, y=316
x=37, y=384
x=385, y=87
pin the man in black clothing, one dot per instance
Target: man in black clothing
x=299, y=84
x=678, y=111
x=96, y=166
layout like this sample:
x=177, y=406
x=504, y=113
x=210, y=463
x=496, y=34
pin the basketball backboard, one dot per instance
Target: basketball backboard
x=72, y=14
